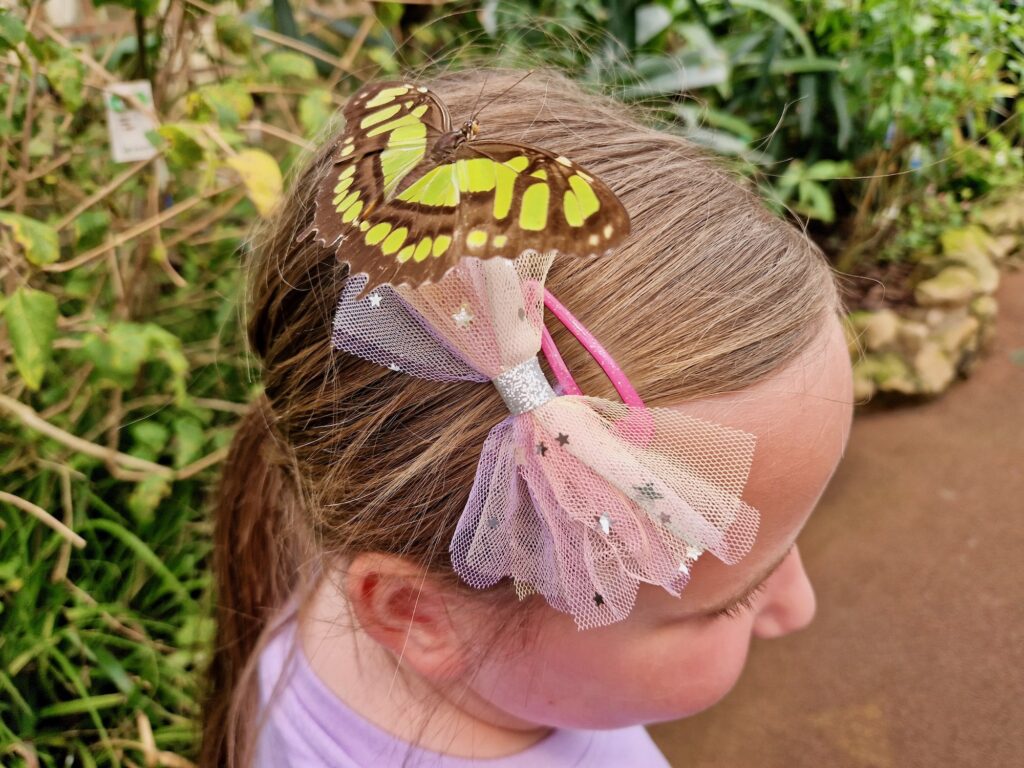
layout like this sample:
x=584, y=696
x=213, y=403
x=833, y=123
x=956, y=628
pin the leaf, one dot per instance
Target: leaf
x=186, y=144
x=261, y=176
x=233, y=33
x=286, y=65
x=39, y=241
x=31, y=317
x=663, y=75
x=783, y=18
x=65, y=74
x=148, y=439
x=90, y=228
x=119, y=354
x=188, y=441
x=837, y=92
x=807, y=107
x=146, y=497
x=315, y=109
x=228, y=101
x=12, y=31
x=651, y=21
x=815, y=201
x=826, y=170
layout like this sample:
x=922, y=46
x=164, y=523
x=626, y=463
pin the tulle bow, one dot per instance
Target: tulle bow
x=579, y=498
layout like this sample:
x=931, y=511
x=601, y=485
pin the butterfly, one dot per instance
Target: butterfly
x=407, y=195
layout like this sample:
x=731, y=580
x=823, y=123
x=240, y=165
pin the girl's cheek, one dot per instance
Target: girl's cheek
x=644, y=676
x=700, y=665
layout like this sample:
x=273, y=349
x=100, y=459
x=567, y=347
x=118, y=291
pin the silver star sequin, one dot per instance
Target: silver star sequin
x=647, y=491
x=394, y=367
x=374, y=300
x=692, y=553
x=605, y=522
x=562, y=439
x=463, y=317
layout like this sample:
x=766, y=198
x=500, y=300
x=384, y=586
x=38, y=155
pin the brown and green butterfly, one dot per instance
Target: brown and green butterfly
x=408, y=196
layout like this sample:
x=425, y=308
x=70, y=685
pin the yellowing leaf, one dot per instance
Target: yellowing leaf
x=31, y=317
x=38, y=240
x=261, y=176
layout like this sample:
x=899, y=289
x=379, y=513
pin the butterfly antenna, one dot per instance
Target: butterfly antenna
x=499, y=95
x=483, y=85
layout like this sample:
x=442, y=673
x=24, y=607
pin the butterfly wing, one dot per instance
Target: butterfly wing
x=548, y=203
x=403, y=216
x=389, y=127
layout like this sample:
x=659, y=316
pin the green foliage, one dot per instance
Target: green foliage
x=122, y=364
x=918, y=97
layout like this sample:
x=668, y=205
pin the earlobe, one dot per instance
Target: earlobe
x=406, y=612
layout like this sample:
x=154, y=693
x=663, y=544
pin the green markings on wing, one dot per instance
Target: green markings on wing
x=502, y=199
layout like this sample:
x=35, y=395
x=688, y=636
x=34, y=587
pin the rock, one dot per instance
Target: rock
x=982, y=266
x=886, y=371
x=1004, y=246
x=933, y=368
x=912, y=335
x=876, y=329
x=953, y=285
x=1008, y=216
x=984, y=308
x=969, y=239
x=958, y=334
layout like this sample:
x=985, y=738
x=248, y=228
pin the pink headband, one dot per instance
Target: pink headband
x=592, y=345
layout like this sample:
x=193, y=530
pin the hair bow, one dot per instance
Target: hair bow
x=578, y=498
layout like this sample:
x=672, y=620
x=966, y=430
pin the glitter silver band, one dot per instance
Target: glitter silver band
x=524, y=387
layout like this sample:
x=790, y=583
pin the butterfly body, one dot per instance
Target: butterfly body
x=407, y=195
x=447, y=144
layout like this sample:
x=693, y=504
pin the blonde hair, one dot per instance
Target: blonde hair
x=710, y=294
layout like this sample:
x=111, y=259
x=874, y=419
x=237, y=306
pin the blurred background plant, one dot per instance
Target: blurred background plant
x=881, y=124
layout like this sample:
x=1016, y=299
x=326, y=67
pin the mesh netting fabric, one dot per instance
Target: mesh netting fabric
x=580, y=498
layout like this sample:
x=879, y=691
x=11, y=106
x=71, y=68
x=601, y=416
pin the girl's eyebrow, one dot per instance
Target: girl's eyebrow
x=748, y=590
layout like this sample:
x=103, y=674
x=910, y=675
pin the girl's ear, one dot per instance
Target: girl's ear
x=406, y=611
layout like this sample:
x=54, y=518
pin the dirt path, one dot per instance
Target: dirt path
x=916, y=657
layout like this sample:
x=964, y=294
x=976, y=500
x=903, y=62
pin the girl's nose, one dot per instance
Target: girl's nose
x=787, y=604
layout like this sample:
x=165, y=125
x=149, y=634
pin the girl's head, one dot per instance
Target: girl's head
x=350, y=478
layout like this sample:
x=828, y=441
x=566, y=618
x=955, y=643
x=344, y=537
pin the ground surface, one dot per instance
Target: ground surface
x=916, y=656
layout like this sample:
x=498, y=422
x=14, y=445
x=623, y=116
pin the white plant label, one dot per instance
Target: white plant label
x=127, y=125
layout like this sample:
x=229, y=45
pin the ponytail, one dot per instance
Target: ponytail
x=255, y=560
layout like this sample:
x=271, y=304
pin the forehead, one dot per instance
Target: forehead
x=801, y=417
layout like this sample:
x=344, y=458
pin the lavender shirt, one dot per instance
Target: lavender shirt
x=307, y=726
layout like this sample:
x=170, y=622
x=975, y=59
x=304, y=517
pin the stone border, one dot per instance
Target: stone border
x=919, y=350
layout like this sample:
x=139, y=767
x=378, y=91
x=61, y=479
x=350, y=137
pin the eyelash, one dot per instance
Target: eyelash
x=741, y=605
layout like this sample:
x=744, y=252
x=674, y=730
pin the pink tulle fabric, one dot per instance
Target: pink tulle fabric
x=581, y=498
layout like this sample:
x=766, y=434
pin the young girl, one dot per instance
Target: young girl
x=345, y=638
